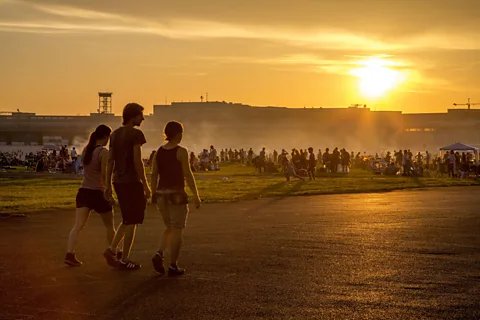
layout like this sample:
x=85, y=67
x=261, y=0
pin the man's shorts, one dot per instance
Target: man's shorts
x=131, y=199
x=93, y=200
x=174, y=215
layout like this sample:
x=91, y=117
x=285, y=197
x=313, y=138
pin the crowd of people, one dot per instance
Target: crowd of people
x=299, y=162
x=210, y=159
x=306, y=162
x=62, y=160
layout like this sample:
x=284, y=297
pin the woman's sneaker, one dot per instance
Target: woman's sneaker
x=158, y=263
x=128, y=265
x=71, y=260
x=175, y=271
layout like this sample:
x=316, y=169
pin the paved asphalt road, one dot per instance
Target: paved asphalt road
x=400, y=255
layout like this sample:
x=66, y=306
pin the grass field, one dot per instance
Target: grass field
x=30, y=193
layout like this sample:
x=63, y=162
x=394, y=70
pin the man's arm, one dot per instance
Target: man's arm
x=138, y=163
x=182, y=155
x=154, y=174
x=108, y=182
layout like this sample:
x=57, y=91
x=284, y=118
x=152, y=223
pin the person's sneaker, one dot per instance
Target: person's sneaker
x=175, y=271
x=71, y=260
x=119, y=255
x=111, y=258
x=128, y=265
x=158, y=263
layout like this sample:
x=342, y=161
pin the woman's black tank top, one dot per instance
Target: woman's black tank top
x=169, y=169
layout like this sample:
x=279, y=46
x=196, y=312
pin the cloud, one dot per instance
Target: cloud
x=64, y=19
x=76, y=12
x=317, y=63
x=413, y=76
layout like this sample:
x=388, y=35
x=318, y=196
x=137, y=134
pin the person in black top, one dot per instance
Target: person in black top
x=170, y=170
x=335, y=160
x=312, y=164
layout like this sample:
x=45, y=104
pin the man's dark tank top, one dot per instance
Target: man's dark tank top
x=169, y=169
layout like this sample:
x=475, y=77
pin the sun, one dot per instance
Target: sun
x=376, y=78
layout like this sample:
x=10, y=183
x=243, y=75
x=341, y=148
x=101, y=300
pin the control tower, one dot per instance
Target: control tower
x=104, y=103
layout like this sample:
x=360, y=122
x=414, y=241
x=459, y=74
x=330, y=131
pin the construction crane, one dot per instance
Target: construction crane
x=466, y=104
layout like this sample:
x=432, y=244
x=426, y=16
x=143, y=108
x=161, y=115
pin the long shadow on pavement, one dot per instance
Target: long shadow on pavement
x=138, y=294
x=275, y=187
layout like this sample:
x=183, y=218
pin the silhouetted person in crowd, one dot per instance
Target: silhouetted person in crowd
x=250, y=156
x=406, y=163
x=345, y=160
x=312, y=164
x=263, y=160
x=335, y=160
x=428, y=157
x=74, y=154
x=451, y=164
x=326, y=160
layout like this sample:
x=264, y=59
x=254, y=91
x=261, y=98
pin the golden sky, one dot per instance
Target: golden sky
x=408, y=55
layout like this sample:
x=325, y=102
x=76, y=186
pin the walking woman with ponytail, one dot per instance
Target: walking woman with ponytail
x=90, y=195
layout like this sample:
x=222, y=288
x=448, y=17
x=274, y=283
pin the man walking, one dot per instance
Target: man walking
x=129, y=181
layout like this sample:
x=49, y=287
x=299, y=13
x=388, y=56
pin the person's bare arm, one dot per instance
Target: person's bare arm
x=108, y=180
x=139, y=167
x=110, y=165
x=104, y=165
x=182, y=155
x=154, y=174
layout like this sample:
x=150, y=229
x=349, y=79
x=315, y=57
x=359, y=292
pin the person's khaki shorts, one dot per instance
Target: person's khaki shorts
x=174, y=215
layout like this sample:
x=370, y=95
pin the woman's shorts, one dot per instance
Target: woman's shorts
x=174, y=215
x=93, y=200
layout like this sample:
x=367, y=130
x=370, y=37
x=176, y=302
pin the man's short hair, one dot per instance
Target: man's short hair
x=130, y=111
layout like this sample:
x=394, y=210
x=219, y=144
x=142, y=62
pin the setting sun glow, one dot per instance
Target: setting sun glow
x=376, y=78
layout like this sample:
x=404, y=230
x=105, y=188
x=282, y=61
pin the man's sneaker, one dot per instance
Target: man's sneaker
x=175, y=271
x=71, y=260
x=128, y=266
x=158, y=263
x=111, y=258
x=119, y=255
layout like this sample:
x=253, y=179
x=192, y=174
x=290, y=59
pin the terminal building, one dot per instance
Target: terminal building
x=234, y=125
x=354, y=128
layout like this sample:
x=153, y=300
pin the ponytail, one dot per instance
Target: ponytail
x=101, y=132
